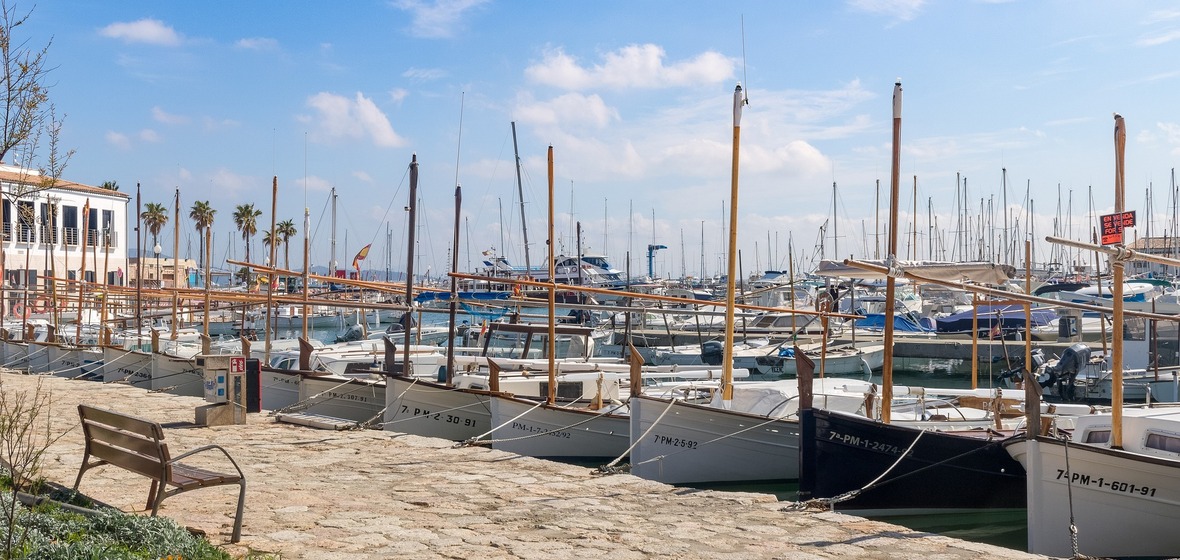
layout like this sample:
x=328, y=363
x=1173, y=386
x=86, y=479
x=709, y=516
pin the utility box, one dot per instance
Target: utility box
x=224, y=388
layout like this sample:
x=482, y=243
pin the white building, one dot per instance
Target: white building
x=44, y=231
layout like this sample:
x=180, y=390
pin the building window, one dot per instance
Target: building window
x=48, y=220
x=69, y=224
x=24, y=211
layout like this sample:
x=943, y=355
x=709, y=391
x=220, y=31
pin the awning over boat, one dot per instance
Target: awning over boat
x=979, y=272
x=424, y=297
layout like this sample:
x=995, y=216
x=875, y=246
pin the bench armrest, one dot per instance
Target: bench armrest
x=208, y=448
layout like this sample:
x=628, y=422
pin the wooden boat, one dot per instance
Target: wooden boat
x=1084, y=482
x=1116, y=480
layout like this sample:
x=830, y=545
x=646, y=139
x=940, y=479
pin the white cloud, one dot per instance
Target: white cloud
x=1159, y=39
x=258, y=44
x=568, y=109
x=362, y=176
x=439, y=19
x=314, y=183
x=149, y=135
x=340, y=117
x=1161, y=16
x=424, y=74
x=165, y=117
x=225, y=180
x=397, y=95
x=211, y=124
x=903, y=10
x=118, y=139
x=147, y=30
x=633, y=66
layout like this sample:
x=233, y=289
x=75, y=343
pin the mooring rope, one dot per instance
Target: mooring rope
x=612, y=467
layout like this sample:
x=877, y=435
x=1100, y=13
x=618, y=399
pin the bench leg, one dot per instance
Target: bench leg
x=155, y=496
x=237, y=535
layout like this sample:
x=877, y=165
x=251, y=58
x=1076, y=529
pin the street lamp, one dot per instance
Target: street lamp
x=159, y=281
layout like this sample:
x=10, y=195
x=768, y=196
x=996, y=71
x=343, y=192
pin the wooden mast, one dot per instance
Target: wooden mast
x=891, y=254
x=453, y=304
x=412, y=225
x=551, y=396
x=524, y=227
x=739, y=101
x=1116, y=265
x=270, y=277
x=175, y=265
x=82, y=278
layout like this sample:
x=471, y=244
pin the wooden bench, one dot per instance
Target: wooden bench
x=138, y=445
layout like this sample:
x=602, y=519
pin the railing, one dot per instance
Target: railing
x=71, y=235
x=48, y=234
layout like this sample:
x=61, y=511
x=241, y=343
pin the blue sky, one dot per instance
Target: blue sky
x=217, y=97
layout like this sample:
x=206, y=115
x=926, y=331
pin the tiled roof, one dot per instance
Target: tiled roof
x=8, y=174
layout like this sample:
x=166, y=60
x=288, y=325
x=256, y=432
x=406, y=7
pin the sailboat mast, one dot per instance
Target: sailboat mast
x=453, y=303
x=412, y=209
x=272, y=260
x=739, y=100
x=175, y=264
x=890, y=281
x=1007, y=258
x=551, y=395
x=1116, y=265
x=524, y=224
x=332, y=255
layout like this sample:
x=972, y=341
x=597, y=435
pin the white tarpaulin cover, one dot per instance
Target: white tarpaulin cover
x=979, y=272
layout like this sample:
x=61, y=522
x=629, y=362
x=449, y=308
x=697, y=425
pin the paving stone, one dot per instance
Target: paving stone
x=328, y=495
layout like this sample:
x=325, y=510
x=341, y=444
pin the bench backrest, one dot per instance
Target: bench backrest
x=132, y=443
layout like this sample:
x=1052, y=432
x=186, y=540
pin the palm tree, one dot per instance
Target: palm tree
x=110, y=185
x=286, y=230
x=202, y=214
x=155, y=217
x=246, y=220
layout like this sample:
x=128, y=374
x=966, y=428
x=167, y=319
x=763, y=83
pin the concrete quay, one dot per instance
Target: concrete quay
x=319, y=494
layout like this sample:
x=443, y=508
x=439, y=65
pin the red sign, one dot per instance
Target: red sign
x=1113, y=225
x=237, y=365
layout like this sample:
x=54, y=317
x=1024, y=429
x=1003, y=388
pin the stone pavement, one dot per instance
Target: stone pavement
x=367, y=494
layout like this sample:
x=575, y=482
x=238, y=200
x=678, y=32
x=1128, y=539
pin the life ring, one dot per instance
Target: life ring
x=40, y=305
x=516, y=290
x=18, y=310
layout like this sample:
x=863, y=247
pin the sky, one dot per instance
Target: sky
x=1011, y=98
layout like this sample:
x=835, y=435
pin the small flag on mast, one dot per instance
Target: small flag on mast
x=360, y=256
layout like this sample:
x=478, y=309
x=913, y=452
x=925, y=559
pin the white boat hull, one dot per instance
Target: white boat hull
x=38, y=357
x=177, y=376
x=279, y=389
x=1123, y=504
x=127, y=366
x=524, y=428
x=349, y=399
x=16, y=354
x=432, y=410
x=692, y=444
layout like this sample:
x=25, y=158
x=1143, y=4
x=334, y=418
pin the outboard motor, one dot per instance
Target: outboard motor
x=1063, y=373
x=1016, y=374
x=351, y=334
x=712, y=352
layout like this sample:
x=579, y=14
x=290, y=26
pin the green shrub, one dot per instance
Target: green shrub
x=49, y=533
